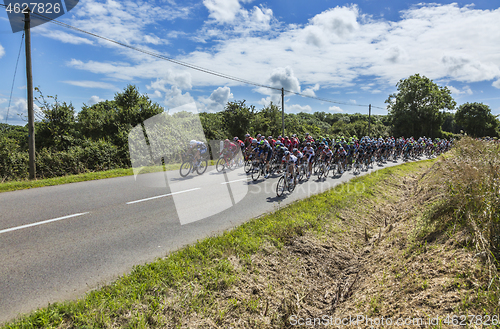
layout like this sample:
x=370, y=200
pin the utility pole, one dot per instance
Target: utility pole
x=283, y=112
x=31, y=113
x=369, y=119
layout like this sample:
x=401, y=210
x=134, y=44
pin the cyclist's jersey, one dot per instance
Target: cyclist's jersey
x=327, y=153
x=240, y=143
x=341, y=151
x=266, y=149
x=293, y=159
x=309, y=153
x=200, y=146
x=231, y=147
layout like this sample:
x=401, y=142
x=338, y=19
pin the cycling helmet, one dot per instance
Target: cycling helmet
x=308, y=143
x=247, y=135
x=254, y=141
x=270, y=137
x=261, y=143
x=235, y=139
x=287, y=153
x=295, y=150
x=258, y=135
x=192, y=142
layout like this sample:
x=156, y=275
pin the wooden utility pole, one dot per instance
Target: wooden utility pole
x=283, y=112
x=31, y=113
x=369, y=119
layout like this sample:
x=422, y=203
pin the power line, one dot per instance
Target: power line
x=192, y=66
x=14, y=79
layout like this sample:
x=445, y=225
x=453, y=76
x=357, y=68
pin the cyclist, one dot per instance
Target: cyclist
x=309, y=154
x=290, y=161
x=198, y=149
x=265, y=153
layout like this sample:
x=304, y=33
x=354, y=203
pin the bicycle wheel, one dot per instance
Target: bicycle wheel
x=256, y=173
x=340, y=170
x=291, y=184
x=185, y=168
x=248, y=166
x=280, y=188
x=302, y=173
x=220, y=165
x=321, y=171
x=356, y=170
x=202, y=167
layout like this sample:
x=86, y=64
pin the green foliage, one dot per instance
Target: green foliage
x=477, y=120
x=237, y=118
x=415, y=110
x=57, y=127
x=13, y=163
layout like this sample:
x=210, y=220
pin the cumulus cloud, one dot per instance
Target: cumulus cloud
x=94, y=100
x=222, y=11
x=2, y=51
x=296, y=108
x=496, y=84
x=92, y=84
x=217, y=100
x=336, y=48
x=175, y=98
x=465, y=90
x=311, y=91
x=335, y=109
x=181, y=79
x=283, y=77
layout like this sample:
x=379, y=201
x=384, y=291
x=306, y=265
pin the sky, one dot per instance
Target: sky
x=350, y=53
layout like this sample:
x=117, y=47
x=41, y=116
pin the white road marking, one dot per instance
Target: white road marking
x=41, y=223
x=238, y=180
x=162, y=196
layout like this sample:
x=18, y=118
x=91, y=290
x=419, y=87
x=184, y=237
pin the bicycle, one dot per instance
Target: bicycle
x=285, y=183
x=259, y=169
x=188, y=166
x=323, y=169
x=224, y=162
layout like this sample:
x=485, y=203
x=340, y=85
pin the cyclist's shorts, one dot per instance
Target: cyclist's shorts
x=269, y=155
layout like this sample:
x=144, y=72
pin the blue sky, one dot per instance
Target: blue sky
x=350, y=53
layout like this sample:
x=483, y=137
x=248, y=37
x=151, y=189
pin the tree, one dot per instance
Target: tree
x=477, y=120
x=57, y=127
x=415, y=110
x=237, y=118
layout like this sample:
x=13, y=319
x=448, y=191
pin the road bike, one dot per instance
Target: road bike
x=285, y=183
x=259, y=168
x=189, y=165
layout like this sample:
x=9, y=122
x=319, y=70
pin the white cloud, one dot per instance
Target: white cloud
x=335, y=109
x=222, y=11
x=92, y=84
x=217, y=100
x=283, y=77
x=295, y=108
x=181, y=79
x=175, y=98
x=2, y=51
x=3, y=100
x=64, y=37
x=496, y=84
x=311, y=91
x=465, y=90
x=94, y=100
x=335, y=48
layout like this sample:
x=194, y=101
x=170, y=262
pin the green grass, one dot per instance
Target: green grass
x=27, y=184
x=186, y=281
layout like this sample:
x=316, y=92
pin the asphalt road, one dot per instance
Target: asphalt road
x=59, y=242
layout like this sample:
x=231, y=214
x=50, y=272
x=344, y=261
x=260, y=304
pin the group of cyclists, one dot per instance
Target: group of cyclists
x=299, y=159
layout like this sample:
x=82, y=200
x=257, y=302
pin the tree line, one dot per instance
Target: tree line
x=96, y=137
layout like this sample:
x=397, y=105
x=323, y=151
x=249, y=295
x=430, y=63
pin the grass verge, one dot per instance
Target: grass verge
x=373, y=246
